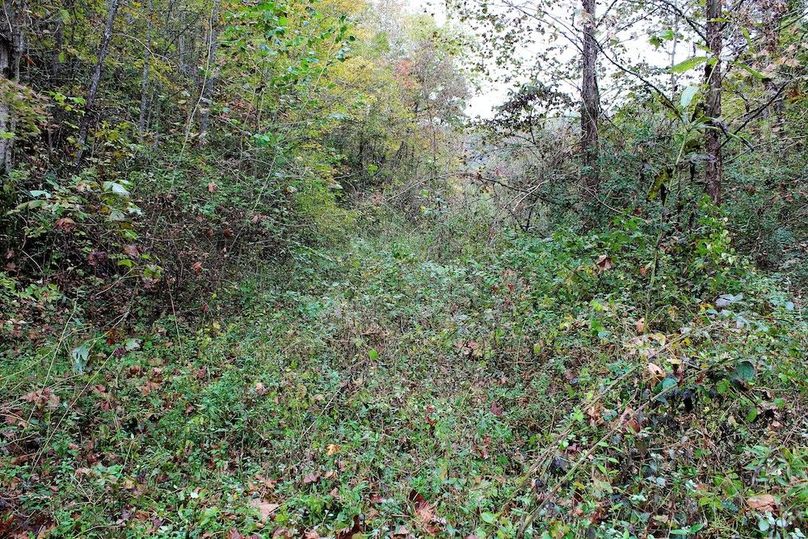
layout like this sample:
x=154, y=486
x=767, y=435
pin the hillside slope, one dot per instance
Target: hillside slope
x=419, y=381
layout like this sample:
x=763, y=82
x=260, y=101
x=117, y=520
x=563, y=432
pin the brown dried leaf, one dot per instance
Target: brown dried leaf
x=656, y=372
x=604, y=263
x=762, y=502
x=265, y=509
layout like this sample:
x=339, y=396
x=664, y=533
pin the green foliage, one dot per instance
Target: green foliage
x=597, y=382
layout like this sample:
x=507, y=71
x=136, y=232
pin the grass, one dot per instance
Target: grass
x=421, y=381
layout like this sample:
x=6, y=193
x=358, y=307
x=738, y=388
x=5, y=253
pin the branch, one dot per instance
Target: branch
x=645, y=81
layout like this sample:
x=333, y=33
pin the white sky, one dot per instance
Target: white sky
x=494, y=94
x=490, y=95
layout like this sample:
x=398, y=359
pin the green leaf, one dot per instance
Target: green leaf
x=752, y=71
x=688, y=95
x=80, y=356
x=488, y=518
x=373, y=354
x=116, y=189
x=688, y=64
x=745, y=371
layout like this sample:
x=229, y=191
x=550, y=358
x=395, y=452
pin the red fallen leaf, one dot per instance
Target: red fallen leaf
x=311, y=478
x=428, y=415
x=311, y=534
x=197, y=267
x=265, y=509
x=148, y=387
x=401, y=531
x=131, y=250
x=212, y=187
x=96, y=257
x=426, y=518
x=266, y=482
x=43, y=397
x=496, y=409
x=483, y=449
x=594, y=412
x=604, y=263
x=234, y=534
x=765, y=503
x=629, y=419
x=65, y=224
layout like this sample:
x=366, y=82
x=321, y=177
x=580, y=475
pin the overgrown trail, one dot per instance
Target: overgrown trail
x=414, y=383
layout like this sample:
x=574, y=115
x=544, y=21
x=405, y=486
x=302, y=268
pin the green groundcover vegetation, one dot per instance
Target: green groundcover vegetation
x=421, y=380
x=265, y=273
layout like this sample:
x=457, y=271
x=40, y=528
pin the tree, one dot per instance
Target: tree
x=712, y=80
x=518, y=21
x=95, y=81
x=590, y=99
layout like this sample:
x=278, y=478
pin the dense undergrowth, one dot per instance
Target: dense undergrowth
x=429, y=379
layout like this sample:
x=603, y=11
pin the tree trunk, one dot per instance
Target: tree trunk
x=590, y=100
x=144, y=78
x=5, y=127
x=712, y=74
x=210, y=76
x=773, y=12
x=103, y=49
x=12, y=44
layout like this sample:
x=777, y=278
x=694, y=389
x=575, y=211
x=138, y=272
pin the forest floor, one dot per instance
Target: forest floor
x=417, y=383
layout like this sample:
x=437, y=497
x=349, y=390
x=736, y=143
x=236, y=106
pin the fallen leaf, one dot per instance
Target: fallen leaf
x=212, y=187
x=639, y=325
x=332, y=449
x=65, y=224
x=496, y=409
x=656, y=372
x=348, y=533
x=265, y=509
x=765, y=503
x=604, y=263
x=594, y=412
x=43, y=397
x=428, y=415
x=131, y=251
x=629, y=419
x=197, y=267
x=311, y=478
